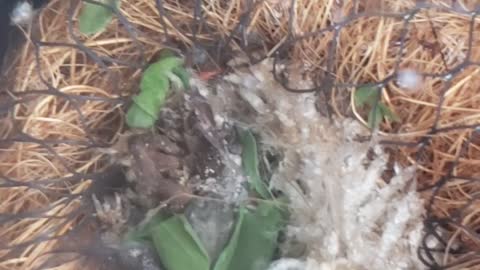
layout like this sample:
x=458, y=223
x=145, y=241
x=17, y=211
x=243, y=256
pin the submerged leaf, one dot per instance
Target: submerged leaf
x=254, y=240
x=95, y=18
x=177, y=245
x=250, y=164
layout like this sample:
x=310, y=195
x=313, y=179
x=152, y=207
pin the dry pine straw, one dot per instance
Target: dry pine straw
x=366, y=52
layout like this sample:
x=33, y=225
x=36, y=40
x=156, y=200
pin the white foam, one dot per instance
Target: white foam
x=22, y=13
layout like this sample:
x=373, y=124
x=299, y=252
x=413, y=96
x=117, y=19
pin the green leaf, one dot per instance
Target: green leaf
x=375, y=117
x=142, y=232
x=254, y=241
x=225, y=258
x=154, y=89
x=387, y=113
x=378, y=111
x=163, y=66
x=182, y=74
x=366, y=96
x=178, y=246
x=95, y=18
x=250, y=164
x=188, y=227
x=378, y=114
x=137, y=118
x=153, y=93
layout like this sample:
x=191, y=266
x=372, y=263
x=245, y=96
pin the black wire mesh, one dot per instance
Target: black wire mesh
x=202, y=36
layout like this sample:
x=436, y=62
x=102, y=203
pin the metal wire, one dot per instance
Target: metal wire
x=325, y=82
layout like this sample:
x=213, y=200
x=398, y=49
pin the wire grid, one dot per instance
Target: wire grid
x=71, y=185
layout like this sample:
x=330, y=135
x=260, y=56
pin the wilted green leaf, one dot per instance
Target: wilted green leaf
x=177, y=245
x=250, y=164
x=95, y=18
x=366, y=96
x=254, y=241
